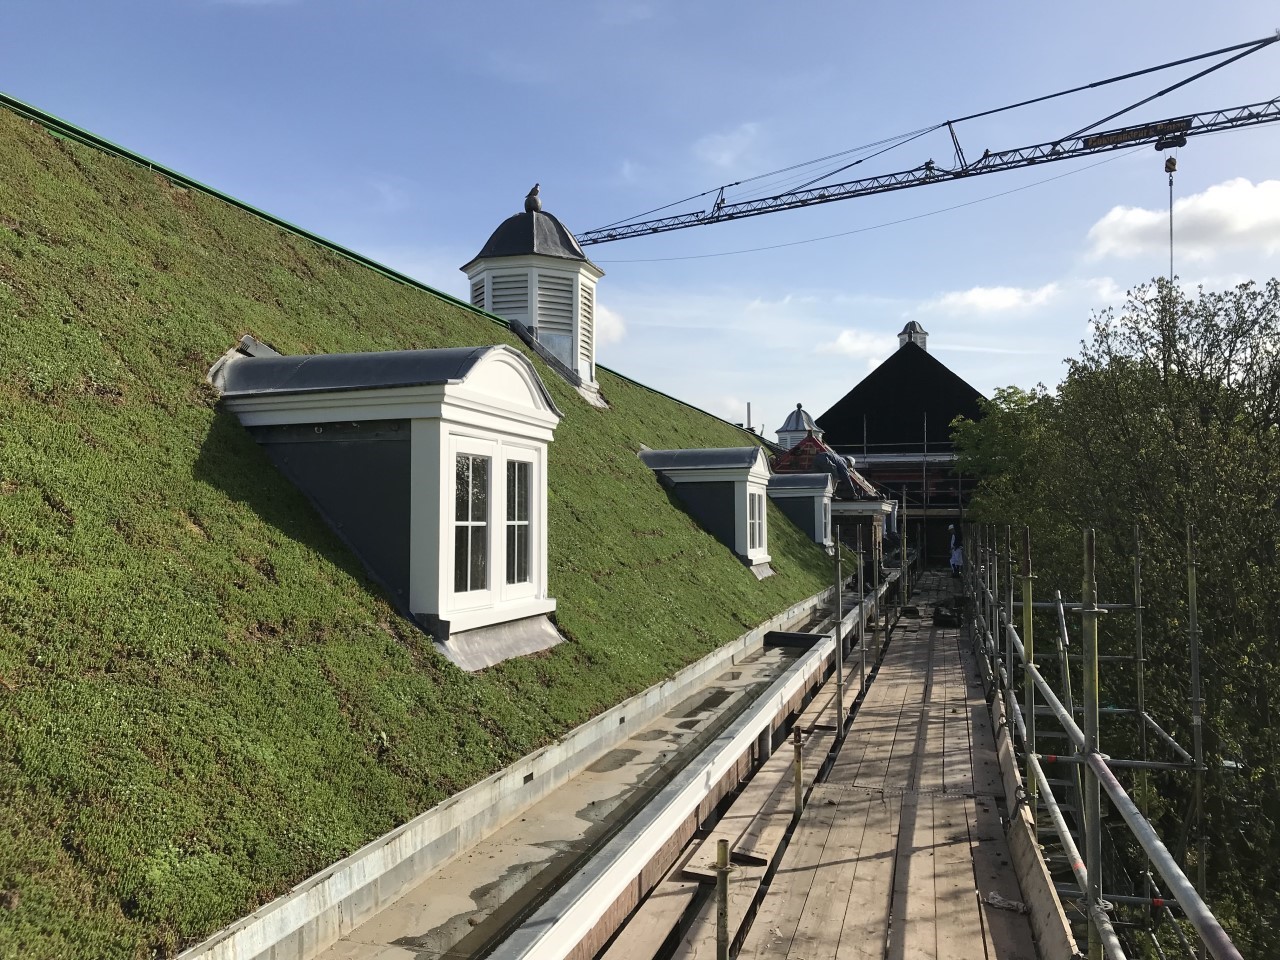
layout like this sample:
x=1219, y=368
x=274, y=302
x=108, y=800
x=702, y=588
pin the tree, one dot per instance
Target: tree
x=1170, y=417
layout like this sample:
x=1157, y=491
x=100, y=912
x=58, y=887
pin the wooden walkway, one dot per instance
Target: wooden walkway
x=900, y=852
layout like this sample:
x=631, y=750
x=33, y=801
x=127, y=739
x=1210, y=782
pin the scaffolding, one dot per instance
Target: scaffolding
x=1124, y=912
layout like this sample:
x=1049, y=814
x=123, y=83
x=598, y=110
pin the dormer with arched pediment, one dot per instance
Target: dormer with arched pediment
x=431, y=465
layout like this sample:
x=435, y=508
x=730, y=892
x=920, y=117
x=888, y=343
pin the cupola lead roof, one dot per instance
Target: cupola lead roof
x=531, y=232
x=799, y=421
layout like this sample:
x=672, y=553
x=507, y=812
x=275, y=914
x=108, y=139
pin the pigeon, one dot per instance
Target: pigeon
x=532, y=202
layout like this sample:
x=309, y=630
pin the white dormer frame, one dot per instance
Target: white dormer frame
x=583, y=275
x=821, y=495
x=754, y=485
x=748, y=481
x=499, y=410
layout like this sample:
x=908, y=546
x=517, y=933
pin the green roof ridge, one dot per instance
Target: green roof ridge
x=64, y=128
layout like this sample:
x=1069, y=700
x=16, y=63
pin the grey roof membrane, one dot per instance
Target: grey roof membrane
x=534, y=232
x=708, y=458
x=799, y=481
x=249, y=376
x=799, y=421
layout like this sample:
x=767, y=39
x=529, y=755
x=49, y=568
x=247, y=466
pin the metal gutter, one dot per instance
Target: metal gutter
x=573, y=912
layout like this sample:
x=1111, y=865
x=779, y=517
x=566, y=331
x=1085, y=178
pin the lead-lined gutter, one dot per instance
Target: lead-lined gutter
x=570, y=914
x=573, y=911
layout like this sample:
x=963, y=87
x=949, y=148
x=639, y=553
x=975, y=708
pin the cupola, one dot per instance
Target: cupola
x=796, y=427
x=914, y=333
x=533, y=274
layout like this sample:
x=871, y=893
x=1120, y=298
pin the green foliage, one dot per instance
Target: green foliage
x=1169, y=418
x=203, y=700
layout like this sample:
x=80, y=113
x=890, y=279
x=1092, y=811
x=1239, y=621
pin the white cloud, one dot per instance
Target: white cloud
x=943, y=347
x=1234, y=214
x=1105, y=291
x=723, y=150
x=861, y=345
x=993, y=299
x=610, y=327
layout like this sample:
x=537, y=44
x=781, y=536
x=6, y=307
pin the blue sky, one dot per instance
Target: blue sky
x=409, y=129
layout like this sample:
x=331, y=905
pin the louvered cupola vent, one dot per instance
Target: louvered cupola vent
x=555, y=304
x=511, y=295
x=587, y=326
x=533, y=273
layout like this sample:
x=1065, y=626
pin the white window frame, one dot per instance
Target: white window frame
x=470, y=523
x=471, y=447
x=755, y=522
x=513, y=452
x=515, y=472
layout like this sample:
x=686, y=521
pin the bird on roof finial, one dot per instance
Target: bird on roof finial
x=532, y=202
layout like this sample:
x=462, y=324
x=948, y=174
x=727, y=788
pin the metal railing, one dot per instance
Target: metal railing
x=1002, y=651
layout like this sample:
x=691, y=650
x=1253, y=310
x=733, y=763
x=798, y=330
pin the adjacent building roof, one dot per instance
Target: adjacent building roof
x=888, y=410
x=531, y=232
x=811, y=455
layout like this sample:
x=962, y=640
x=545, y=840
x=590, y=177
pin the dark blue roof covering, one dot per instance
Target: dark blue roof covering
x=531, y=232
x=799, y=481
x=274, y=374
x=707, y=458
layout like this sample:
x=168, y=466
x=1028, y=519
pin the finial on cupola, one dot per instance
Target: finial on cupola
x=532, y=202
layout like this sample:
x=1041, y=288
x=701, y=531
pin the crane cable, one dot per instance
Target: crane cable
x=904, y=137
x=887, y=223
x=1248, y=47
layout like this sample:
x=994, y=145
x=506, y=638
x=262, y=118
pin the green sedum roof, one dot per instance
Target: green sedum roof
x=203, y=700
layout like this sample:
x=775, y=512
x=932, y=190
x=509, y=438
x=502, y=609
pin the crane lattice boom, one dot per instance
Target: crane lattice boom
x=1161, y=134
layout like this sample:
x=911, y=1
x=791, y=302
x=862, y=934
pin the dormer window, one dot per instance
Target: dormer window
x=471, y=525
x=806, y=500
x=724, y=490
x=756, y=540
x=431, y=464
x=518, y=543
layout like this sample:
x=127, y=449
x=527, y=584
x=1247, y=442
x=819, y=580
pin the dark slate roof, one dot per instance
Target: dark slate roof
x=707, y=458
x=531, y=232
x=894, y=398
x=799, y=481
x=274, y=374
x=798, y=420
